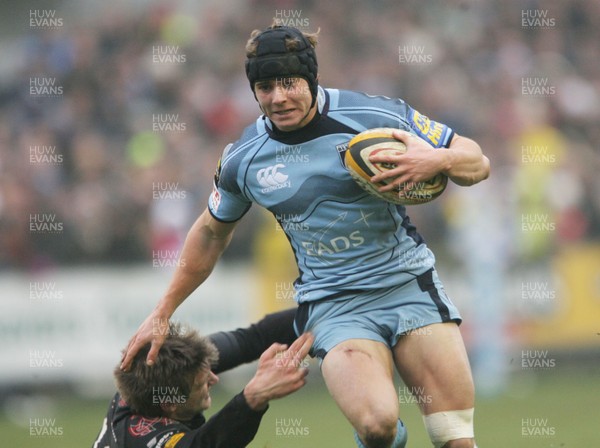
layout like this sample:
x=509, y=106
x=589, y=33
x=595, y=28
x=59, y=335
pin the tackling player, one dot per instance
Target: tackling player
x=367, y=279
x=162, y=406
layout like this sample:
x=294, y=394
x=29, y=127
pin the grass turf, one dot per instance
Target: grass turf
x=550, y=411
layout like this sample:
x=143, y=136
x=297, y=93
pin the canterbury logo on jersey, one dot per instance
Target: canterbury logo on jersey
x=272, y=179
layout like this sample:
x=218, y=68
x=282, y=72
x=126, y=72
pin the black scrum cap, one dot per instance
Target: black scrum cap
x=274, y=60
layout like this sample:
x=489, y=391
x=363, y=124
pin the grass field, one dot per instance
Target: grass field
x=557, y=410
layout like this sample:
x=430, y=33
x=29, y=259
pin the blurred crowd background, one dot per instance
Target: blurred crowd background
x=93, y=156
x=113, y=116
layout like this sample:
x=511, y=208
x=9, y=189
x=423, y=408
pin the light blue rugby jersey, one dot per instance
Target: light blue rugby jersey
x=344, y=240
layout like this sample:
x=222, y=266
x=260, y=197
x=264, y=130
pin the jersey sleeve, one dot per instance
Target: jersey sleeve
x=247, y=344
x=435, y=133
x=366, y=111
x=234, y=426
x=227, y=203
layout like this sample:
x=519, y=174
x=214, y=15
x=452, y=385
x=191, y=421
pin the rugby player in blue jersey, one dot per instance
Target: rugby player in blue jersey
x=367, y=286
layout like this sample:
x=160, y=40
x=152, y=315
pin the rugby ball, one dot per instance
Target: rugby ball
x=381, y=141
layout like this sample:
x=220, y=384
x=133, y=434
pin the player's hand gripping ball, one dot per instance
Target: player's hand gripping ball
x=381, y=140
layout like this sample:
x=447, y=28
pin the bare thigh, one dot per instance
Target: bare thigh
x=433, y=363
x=359, y=376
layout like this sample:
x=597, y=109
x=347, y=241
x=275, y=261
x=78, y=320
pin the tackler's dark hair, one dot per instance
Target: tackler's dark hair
x=276, y=58
x=183, y=354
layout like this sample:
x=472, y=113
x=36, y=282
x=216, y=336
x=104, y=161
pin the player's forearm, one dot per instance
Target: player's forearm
x=247, y=344
x=201, y=251
x=233, y=426
x=464, y=162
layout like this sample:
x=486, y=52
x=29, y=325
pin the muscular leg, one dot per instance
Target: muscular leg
x=358, y=374
x=433, y=363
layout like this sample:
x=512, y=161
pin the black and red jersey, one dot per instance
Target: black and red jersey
x=235, y=425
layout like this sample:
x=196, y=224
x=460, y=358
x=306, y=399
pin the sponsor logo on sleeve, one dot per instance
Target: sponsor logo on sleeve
x=427, y=129
x=163, y=439
x=215, y=199
x=172, y=442
x=218, y=172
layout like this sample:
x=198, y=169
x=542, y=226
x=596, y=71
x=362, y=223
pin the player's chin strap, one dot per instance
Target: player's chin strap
x=274, y=60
